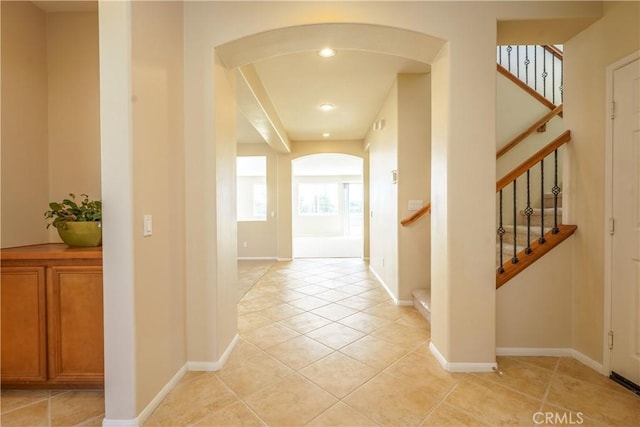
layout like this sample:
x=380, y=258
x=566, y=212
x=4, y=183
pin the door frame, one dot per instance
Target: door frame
x=608, y=207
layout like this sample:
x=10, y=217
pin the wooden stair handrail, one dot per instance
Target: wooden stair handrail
x=417, y=215
x=533, y=160
x=537, y=251
x=544, y=101
x=530, y=130
x=554, y=51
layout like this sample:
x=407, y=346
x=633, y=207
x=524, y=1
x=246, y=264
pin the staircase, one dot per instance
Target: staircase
x=530, y=231
x=518, y=233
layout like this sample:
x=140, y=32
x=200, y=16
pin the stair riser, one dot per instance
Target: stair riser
x=521, y=236
x=549, y=200
x=536, y=220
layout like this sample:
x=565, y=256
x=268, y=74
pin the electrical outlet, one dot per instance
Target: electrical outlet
x=245, y=244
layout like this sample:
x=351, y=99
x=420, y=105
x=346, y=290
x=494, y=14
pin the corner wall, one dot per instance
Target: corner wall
x=414, y=182
x=383, y=160
x=74, y=106
x=50, y=112
x=25, y=165
x=158, y=190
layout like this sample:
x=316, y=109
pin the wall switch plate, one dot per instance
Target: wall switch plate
x=147, y=228
x=415, y=205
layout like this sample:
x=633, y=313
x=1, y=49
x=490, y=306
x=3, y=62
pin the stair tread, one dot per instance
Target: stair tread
x=422, y=302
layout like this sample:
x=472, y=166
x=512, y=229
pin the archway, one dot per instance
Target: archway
x=327, y=206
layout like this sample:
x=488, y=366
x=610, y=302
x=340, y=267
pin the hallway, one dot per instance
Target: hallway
x=322, y=344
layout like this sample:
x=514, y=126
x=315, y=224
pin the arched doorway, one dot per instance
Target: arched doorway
x=327, y=206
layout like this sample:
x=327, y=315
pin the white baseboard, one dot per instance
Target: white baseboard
x=189, y=366
x=405, y=303
x=588, y=361
x=461, y=366
x=120, y=423
x=214, y=366
x=384, y=285
x=256, y=258
x=533, y=351
x=148, y=410
x=284, y=259
x=554, y=352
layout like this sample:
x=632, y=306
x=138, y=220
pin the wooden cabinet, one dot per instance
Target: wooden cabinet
x=52, y=316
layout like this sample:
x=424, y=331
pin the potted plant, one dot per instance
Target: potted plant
x=78, y=223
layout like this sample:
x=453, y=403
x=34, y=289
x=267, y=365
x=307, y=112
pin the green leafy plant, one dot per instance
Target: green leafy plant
x=69, y=210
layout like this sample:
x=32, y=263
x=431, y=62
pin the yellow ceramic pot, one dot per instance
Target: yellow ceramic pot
x=81, y=233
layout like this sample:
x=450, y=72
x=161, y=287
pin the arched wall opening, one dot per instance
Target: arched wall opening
x=327, y=206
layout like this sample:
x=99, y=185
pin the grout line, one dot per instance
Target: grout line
x=546, y=392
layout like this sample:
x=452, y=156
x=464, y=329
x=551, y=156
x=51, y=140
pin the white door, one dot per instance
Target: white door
x=625, y=264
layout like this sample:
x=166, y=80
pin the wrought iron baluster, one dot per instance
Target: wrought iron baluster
x=553, y=78
x=501, y=232
x=544, y=73
x=561, y=88
x=514, y=260
x=556, y=191
x=542, y=240
x=526, y=65
x=509, y=48
x=518, y=61
x=535, y=67
x=528, y=211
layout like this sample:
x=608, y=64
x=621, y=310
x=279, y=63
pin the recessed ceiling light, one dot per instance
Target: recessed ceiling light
x=327, y=52
x=326, y=134
x=327, y=107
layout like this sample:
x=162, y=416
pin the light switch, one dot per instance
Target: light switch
x=415, y=205
x=148, y=226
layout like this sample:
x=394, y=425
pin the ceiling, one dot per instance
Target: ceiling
x=355, y=82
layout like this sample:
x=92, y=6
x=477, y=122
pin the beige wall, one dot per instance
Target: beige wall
x=383, y=194
x=118, y=258
x=401, y=256
x=25, y=165
x=414, y=181
x=587, y=55
x=51, y=137
x=158, y=190
x=261, y=236
x=74, y=106
x=533, y=309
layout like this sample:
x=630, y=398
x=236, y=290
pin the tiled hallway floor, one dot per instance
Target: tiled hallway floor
x=322, y=344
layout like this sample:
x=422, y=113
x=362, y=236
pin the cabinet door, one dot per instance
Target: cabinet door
x=23, y=329
x=75, y=323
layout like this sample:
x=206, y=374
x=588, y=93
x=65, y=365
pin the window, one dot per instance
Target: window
x=252, y=188
x=318, y=199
